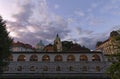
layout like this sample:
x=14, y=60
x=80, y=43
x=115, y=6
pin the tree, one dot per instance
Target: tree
x=5, y=44
x=114, y=68
x=70, y=46
x=98, y=43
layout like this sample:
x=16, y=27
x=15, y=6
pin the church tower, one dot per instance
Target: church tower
x=40, y=46
x=57, y=44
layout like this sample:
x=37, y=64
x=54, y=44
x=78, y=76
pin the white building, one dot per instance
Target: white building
x=21, y=47
x=62, y=65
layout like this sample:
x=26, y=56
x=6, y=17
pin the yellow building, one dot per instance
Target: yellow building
x=109, y=46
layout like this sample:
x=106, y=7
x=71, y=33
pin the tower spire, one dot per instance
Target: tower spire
x=58, y=44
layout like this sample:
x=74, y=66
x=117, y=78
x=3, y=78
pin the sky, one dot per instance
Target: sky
x=81, y=21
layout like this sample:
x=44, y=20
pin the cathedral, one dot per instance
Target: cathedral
x=54, y=63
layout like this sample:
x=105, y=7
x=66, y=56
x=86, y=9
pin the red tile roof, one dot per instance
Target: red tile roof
x=20, y=44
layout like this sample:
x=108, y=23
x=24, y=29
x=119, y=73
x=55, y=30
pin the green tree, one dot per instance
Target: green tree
x=66, y=45
x=5, y=44
x=114, y=68
x=98, y=43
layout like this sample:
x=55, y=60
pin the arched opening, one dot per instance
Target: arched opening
x=10, y=58
x=58, y=68
x=83, y=58
x=71, y=58
x=84, y=68
x=45, y=68
x=71, y=68
x=21, y=58
x=45, y=58
x=58, y=58
x=33, y=58
x=32, y=68
x=19, y=68
x=6, y=68
x=98, y=68
x=95, y=58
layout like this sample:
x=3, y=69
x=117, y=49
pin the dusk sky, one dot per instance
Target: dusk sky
x=81, y=21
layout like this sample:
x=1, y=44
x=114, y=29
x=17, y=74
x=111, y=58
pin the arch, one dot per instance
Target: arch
x=71, y=58
x=83, y=58
x=10, y=58
x=95, y=57
x=45, y=68
x=19, y=68
x=58, y=68
x=58, y=58
x=21, y=58
x=71, y=68
x=6, y=68
x=32, y=68
x=84, y=68
x=98, y=68
x=45, y=58
x=33, y=58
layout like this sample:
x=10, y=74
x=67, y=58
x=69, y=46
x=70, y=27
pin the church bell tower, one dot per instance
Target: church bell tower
x=58, y=44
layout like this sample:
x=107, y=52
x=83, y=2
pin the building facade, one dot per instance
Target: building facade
x=109, y=46
x=57, y=64
x=51, y=65
x=21, y=47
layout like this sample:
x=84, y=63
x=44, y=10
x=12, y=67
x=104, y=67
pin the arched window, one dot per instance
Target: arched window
x=71, y=68
x=6, y=68
x=21, y=58
x=34, y=58
x=10, y=58
x=45, y=68
x=45, y=58
x=84, y=68
x=98, y=68
x=32, y=68
x=71, y=58
x=58, y=68
x=83, y=58
x=58, y=58
x=19, y=68
x=95, y=58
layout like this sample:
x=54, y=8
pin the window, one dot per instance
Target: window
x=84, y=68
x=19, y=68
x=32, y=68
x=21, y=58
x=71, y=58
x=45, y=58
x=45, y=68
x=58, y=58
x=10, y=58
x=58, y=68
x=34, y=58
x=97, y=68
x=83, y=58
x=71, y=68
x=6, y=68
x=95, y=58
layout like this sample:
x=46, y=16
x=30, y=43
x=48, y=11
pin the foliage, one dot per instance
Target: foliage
x=114, y=69
x=70, y=46
x=5, y=44
x=66, y=45
x=98, y=43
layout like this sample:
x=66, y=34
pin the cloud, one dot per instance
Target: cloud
x=80, y=13
x=83, y=32
x=90, y=40
x=56, y=6
x=35, y=22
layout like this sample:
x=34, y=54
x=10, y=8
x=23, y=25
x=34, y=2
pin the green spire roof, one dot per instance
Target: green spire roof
x=40, y=43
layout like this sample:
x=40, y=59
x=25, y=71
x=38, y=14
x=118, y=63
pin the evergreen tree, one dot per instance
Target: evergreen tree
x=114, y=69
x=5, y=44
